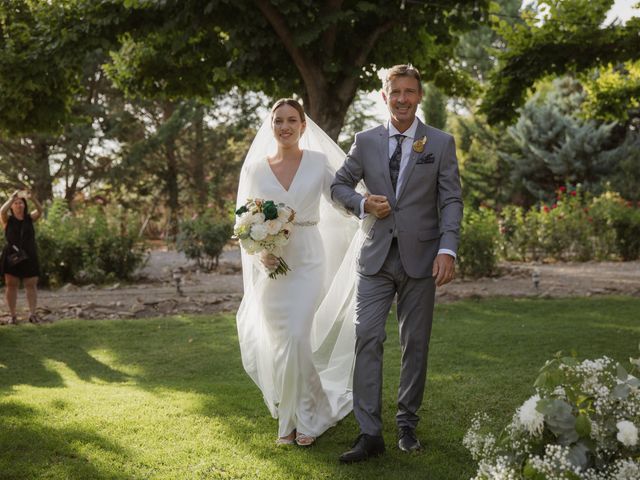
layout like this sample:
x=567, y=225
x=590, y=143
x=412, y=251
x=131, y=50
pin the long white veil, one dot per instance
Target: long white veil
x=333, y=331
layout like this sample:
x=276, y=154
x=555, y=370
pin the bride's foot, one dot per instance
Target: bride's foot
x=305, y=440
x=288, y=440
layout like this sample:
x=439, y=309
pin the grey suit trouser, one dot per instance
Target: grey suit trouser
x=375, y=294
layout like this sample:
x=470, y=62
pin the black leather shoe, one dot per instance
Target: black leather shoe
x=365, y=447
x=407, y=440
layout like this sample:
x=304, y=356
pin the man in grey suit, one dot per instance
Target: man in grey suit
x=411, y=172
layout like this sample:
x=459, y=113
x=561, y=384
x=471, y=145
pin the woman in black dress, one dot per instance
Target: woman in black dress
x=18, y=230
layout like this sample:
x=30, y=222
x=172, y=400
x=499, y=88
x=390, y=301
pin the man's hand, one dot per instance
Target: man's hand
x=443, y=269
x=269, y=260
x=377, y=205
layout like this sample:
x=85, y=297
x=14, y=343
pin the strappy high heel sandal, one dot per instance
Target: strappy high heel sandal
x=33, y=318
x=303, y=440
x=288, y=440
x=13, y=320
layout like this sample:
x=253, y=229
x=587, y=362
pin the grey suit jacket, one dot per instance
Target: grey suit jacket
x=427, y=213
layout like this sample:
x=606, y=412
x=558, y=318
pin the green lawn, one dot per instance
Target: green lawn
x=168, y=399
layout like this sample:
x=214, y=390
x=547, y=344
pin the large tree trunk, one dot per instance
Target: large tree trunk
x=171, y=176
x=328, y=102
x=329, y=115
x=42, y=181
x=197, y=160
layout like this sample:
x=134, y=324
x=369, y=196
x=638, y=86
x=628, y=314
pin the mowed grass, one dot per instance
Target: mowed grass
x=168, y=398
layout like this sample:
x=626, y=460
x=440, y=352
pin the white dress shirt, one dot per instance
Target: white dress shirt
x=407, y=145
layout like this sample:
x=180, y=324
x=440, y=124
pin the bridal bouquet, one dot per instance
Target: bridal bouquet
x=582, y=423
x=265, y=226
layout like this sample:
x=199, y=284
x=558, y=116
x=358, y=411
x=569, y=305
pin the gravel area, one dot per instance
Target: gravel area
x=169, y=284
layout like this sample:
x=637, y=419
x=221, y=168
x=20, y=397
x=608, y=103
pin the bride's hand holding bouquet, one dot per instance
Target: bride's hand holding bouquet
x=263, y=227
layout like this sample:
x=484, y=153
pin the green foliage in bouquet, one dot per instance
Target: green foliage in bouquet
x=203, y=238
x=581, y=424
x=87, y=246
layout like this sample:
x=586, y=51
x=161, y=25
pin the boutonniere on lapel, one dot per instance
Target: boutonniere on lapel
x=418, y=145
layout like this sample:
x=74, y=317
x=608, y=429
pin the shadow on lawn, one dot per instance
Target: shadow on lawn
x=57, y=451
x=200, y=356
x=24, y=352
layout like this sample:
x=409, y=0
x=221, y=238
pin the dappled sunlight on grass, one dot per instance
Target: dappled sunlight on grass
x=168, y=398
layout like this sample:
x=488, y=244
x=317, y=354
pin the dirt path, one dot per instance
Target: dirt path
x=154, y=293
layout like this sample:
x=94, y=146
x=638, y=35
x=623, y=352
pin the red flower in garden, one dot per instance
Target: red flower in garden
x=563, y=189
x=555, y=205
x=573, y=193
x=546, y=209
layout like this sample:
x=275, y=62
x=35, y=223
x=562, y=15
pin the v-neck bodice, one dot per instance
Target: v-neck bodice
x=293, y=180
x=312, y=180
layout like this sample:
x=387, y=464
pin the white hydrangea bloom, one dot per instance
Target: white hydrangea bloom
x=257, y=218
x=244, y=219
x=250, y=246
x=627, y=433
x=280, y=240
x=530, y=418
x=258, y=232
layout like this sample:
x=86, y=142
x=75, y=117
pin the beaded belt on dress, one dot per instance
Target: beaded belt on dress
x=309, y=223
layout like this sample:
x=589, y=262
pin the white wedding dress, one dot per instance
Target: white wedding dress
x=296, y=332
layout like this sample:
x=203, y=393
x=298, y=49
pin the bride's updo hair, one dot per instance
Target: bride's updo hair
x=292, y=103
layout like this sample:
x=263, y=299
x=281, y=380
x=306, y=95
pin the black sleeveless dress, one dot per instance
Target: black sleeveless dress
x=21, y=234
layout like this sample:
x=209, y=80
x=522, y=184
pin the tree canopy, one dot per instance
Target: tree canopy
x=571, y=36
x=323, y=51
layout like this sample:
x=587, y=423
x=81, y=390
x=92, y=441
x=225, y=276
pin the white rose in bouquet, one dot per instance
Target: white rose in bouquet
x=284, y=214
x=244, y=220
x=273, y=226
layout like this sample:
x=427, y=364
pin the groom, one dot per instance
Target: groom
x=411, y=171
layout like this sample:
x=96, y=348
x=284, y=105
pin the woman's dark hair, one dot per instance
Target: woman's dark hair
x=292, y=103
x=26, y=206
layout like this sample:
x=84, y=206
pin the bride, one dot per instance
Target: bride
x=296, y=332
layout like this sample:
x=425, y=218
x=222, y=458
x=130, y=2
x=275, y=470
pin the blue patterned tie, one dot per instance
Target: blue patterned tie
x=394, y=161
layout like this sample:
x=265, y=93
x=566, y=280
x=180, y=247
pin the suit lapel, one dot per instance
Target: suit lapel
x=421, y=131
x=384, y=155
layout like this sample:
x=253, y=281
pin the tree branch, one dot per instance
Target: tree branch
x=350, y=83
x=309, y=72
x=329, y=36
x=361, y=56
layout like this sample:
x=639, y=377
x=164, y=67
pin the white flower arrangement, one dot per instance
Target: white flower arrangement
x=581, y=424
x=263, y=225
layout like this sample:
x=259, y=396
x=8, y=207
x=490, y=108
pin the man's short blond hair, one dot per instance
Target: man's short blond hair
x=401, y=71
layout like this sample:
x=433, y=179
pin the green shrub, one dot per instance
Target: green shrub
x=602, y=212
x=565, y=230
x=627, y=227
x=86, y=246
x=203, y=238
x=478, y=252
